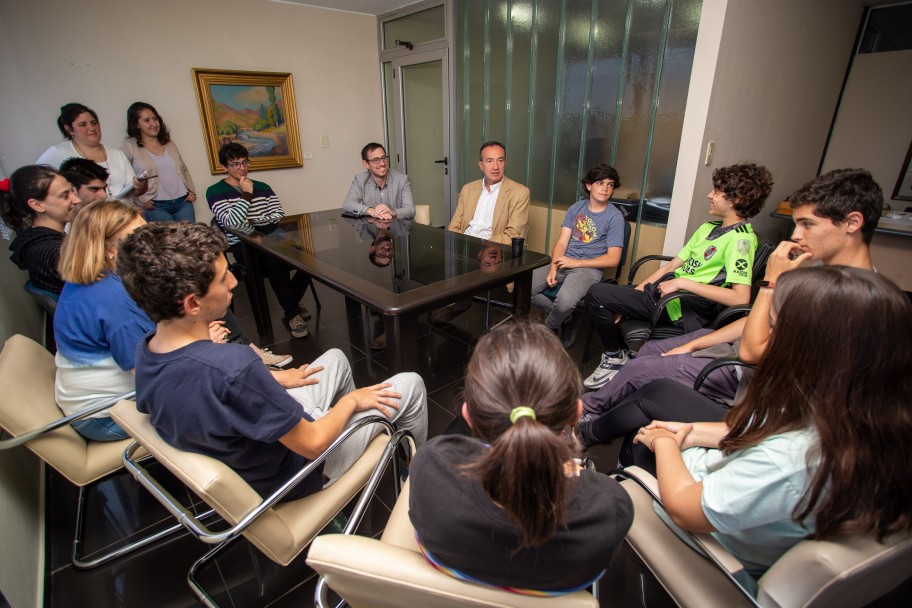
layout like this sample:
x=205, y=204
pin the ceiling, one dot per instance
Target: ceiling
x=367, y=7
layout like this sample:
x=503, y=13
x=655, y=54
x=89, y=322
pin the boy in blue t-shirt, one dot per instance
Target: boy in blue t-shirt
x=219, y=399
x=591, y=239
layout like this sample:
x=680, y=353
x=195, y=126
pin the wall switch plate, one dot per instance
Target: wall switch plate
x=324, y=141
x=710, y=148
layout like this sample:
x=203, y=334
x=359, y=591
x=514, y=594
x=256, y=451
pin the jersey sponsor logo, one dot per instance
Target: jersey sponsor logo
x=585, y=228
x=743, y=247
x=691, y=266
x=709, y=253
x=741, y=267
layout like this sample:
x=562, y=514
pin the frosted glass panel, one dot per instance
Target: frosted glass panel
x=566, y=84
x=418, y=27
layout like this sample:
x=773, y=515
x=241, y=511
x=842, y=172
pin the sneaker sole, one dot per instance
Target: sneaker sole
x=283, y=362
x=299, y=334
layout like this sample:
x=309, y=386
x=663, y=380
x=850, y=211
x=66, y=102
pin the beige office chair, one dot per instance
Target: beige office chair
x=423, y=214
x=390, y=573
x=813, y=574
x=29, y=413
x=281, y=530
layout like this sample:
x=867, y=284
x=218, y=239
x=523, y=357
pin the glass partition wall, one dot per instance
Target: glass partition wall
x=567, y=84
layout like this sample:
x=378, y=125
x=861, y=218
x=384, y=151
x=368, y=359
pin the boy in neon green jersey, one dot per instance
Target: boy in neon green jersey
x=715, y=264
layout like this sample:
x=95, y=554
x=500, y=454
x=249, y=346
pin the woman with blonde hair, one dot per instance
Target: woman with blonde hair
x=821, y=445
x=97, y=325
x=509, y=506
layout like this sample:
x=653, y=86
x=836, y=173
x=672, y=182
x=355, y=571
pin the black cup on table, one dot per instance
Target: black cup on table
x=518, y=243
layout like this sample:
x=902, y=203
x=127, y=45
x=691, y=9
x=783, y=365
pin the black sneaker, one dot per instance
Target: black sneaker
x=568, y=330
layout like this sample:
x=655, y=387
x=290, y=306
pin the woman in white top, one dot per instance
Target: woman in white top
x=79, y=124
x=171, y=194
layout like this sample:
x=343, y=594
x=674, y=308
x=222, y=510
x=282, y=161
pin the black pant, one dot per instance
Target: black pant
x=288, y=288
x=660, y=400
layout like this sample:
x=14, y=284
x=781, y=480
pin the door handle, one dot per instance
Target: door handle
x=444, y=161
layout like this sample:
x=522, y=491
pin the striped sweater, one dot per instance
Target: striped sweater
x=241, y=211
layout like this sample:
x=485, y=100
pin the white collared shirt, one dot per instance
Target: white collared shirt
x=482, y=224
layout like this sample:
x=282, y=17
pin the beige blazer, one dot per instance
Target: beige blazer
x=511, y=211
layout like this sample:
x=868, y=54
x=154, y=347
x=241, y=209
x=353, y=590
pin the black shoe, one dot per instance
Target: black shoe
x=568, y=330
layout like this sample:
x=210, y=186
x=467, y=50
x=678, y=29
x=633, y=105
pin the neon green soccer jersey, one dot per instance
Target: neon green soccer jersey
x=717, y=256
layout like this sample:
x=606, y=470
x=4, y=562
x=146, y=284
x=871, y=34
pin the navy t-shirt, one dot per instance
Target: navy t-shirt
x=221, y=401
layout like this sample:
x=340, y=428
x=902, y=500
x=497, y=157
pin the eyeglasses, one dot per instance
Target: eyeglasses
x=379, y=160
x=238, y=164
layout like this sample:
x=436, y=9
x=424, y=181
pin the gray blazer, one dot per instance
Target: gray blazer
x=364, y=193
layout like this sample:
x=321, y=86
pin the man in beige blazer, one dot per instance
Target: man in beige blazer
x=495, y=207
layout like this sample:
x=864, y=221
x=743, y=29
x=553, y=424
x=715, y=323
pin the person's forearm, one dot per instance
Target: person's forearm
x=607, y=260
x=757, y=328
x=707, y=434
x=679, y=492
x=324, y=431
x=663, y=270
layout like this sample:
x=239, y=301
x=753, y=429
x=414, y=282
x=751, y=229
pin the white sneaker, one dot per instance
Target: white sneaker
x=271, y=359
x=297, y=327
x=606, y=370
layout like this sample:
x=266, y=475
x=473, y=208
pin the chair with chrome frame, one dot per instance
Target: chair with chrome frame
x=844, y=573
x=29, y=413
x=280, y=530
x=391, y=572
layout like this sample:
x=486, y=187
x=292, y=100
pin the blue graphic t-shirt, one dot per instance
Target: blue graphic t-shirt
x=592, y=233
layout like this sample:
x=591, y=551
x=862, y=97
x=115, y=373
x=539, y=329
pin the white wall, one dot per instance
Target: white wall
x=873, y=130
x=98, y=53
x=775, y=69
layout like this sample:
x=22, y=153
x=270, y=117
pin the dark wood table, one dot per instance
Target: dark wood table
x=420, y=268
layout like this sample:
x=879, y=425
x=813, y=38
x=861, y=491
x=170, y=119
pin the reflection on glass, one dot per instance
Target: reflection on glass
x=422, y=26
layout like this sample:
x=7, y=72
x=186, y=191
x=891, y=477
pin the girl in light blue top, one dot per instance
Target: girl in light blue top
x=820, y=447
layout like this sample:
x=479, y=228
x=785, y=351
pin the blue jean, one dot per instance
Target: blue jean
x=575, y=282
x=100, y=429
x=174, y=210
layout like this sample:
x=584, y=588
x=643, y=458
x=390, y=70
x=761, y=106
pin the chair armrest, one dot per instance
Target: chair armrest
x=61, y=422
x=635, y=267
x=201, y=531
x=729, y=314
x=728, y=360
x=717, y=554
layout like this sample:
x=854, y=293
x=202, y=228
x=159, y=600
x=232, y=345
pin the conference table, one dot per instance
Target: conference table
x=399, y=270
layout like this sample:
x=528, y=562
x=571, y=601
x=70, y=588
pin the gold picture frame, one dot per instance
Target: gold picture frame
x=256, y=109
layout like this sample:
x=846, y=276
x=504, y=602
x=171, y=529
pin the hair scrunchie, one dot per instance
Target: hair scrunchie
x=519, y=412
x=5, y=184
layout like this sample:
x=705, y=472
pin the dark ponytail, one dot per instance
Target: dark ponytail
x=28, y=182
x=522, y=365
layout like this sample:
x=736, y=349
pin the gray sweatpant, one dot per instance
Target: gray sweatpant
x=335, y=381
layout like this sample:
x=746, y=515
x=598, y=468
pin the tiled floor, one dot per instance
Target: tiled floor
x=241, y=576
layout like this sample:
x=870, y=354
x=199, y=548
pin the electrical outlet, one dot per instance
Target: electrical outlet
x=324, y=141
x=710, y=148
x=308, y=156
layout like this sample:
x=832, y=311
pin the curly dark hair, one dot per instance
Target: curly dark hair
x=164, y=136
x=840, y=192
x=748, y=184
x=163, y=262
x=232, y=151
x=80, y=171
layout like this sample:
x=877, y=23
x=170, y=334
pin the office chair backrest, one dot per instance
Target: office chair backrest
x=27, y=373
x=46, y=299
x=626, y=250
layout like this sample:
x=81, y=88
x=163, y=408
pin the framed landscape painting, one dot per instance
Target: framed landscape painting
x=255, y=109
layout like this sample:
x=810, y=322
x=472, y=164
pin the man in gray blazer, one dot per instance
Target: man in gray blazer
x=379, y=192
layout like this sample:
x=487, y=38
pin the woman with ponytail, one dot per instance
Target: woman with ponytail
x=509, y=506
